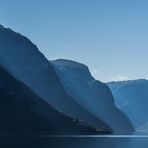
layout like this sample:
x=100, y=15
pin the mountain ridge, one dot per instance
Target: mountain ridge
x=23, y=112
x=82, y=87
x=131, y=97
x=39, y=75
x=26, y=63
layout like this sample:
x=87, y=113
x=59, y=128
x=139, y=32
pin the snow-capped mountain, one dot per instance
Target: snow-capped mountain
x=93, y=95
x=23, y=112
x=26, y=63
x=132, y=98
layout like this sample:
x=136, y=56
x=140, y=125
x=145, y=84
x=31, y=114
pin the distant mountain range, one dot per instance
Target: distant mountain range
x=132, y=98
x=62, y=85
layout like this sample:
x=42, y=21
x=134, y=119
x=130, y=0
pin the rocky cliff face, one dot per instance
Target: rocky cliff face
x=93, y=95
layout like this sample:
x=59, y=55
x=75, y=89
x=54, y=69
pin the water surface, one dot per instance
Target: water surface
x=75, y=142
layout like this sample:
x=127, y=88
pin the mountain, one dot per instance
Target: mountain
x=23, y=112
x=88, y=100
x=93, y=95
x=132, y=98
x=25, y=62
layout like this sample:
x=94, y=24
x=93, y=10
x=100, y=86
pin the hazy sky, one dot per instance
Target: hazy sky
x=110, y=36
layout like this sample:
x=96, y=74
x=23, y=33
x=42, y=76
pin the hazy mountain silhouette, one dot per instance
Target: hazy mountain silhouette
x=93, y=95
x=132, y=98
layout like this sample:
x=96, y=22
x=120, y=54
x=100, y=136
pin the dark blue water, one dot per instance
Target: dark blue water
x=74, y=142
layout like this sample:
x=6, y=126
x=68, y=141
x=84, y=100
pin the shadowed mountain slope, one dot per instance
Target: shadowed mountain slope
x=23, y=112
x=26, y=63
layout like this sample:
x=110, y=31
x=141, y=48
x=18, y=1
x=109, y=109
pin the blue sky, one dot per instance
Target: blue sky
x=110, y=36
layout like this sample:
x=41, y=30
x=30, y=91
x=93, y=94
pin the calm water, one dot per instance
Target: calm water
x=75, y=142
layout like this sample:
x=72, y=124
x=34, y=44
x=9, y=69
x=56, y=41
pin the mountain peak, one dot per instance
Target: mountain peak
x=70, y=63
